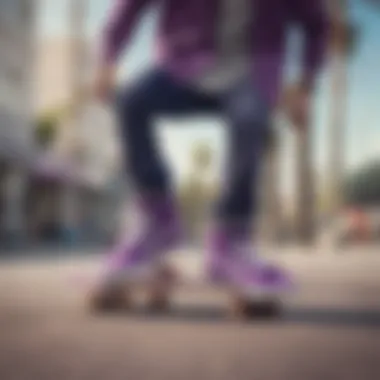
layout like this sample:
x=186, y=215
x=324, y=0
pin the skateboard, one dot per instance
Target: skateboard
x=160, y=289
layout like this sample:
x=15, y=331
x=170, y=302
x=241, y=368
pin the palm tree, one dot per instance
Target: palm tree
x=196, y=192
x=341, y=45
x=304, y=177
x=342, y=41
x=271, y=210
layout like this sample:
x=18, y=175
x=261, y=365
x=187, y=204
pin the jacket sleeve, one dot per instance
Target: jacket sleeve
x=312, y=17
x=119, y=27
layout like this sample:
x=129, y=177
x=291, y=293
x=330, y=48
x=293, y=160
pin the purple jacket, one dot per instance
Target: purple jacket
x=186, y=38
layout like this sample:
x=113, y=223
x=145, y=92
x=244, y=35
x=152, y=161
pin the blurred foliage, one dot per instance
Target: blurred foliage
x=202, y=156
x=46, y=129
x=362, y=188
x=47, y=124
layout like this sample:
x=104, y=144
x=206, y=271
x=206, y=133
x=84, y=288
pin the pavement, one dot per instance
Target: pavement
x=330, y=328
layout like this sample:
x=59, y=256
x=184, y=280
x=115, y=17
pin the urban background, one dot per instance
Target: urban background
x=65, y=197
x=61, y=171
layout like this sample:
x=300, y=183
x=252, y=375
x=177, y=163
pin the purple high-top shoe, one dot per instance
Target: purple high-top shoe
x=232, y=261
x=139, y=255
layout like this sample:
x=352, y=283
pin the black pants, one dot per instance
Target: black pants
x=247, y=117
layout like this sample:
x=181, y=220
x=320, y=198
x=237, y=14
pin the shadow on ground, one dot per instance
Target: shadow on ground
x=369, y=318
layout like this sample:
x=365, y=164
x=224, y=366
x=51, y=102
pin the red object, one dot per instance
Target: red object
x=361, y=225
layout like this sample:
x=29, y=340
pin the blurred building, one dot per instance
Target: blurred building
x=16, y=142
x=85, y=144
x=72, y=183
x=52, y=72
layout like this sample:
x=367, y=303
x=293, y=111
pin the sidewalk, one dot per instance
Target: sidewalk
x=271, y=250
x=51, y=251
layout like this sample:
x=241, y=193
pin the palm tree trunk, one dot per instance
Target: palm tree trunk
x=271, y=212
x=338, y=97
x=305, y=194
x=305, y=204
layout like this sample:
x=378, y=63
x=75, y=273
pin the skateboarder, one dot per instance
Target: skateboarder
x=214, y=56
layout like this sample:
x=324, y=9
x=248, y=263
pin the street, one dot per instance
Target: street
x=330, y=328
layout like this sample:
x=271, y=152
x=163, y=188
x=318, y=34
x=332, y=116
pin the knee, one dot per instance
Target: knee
x=130, y=103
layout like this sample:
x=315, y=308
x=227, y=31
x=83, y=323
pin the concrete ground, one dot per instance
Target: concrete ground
x=330, y=328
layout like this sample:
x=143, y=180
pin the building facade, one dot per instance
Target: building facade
x=84, y=140
x=36, y=76
x=16, y=108
x=16, y=68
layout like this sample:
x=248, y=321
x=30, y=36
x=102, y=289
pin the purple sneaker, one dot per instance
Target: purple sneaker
x=139, y=256
x=233, y=262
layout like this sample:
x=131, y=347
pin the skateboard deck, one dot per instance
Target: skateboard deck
x=160, y=290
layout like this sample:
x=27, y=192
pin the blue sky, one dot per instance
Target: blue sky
x=363, y=116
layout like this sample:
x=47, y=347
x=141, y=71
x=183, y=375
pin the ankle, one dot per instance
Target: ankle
x=160, y=208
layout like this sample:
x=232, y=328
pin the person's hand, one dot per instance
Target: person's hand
x=296, y=103
x=104, y=83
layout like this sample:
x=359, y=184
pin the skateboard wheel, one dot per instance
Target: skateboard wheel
x=239, y=308
x=264, y=309
x=158, y=303
x=247, y=309
x=111, y=299
x=160, y=289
